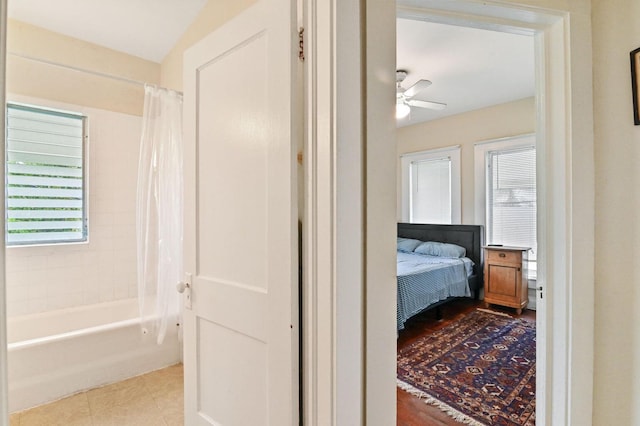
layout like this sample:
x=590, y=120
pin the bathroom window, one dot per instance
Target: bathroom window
x=45, y=166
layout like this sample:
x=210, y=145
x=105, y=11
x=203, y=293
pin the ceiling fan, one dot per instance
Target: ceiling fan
x=404, y=97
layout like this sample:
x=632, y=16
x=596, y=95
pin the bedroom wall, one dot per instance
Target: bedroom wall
x=499, y=121
x=41, y=278
x=29, y=78
x=617, y=161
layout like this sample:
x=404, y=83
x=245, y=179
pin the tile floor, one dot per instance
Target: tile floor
x=153, y=399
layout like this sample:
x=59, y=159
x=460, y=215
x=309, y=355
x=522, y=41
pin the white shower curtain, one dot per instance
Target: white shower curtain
x=159, y=211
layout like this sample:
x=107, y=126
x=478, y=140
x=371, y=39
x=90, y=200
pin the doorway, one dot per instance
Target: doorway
x=483, y=83
x=557, y=219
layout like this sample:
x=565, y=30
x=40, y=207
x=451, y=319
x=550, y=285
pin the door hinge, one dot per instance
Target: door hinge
x=301, y=44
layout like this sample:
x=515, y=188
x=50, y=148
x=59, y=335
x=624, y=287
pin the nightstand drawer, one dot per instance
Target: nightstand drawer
x=508, y=256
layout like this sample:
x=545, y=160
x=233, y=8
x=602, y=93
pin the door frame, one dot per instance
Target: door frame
x=333, y=224
x=350, y=170
x=4, y=383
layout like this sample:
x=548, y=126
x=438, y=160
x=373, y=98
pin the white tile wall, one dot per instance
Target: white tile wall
x=42, y=278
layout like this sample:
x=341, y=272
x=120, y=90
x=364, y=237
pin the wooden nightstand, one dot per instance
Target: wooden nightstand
x=505, y=276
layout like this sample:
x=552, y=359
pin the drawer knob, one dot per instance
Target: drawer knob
x=502, y=255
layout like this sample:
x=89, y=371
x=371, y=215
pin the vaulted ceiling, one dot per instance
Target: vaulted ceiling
x=143, y=28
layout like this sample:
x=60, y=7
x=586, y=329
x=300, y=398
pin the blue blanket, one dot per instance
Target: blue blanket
x=424, y=280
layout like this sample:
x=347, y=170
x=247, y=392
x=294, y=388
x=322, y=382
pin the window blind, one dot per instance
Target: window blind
x=431, y=191
x=511, y=200
x=45, y=176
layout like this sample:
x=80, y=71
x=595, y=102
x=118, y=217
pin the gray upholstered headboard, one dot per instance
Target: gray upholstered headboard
x=471, y=237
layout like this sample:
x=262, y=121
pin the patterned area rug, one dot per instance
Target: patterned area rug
x=479, y=369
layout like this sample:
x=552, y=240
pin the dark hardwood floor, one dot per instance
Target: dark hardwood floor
x=411, y=410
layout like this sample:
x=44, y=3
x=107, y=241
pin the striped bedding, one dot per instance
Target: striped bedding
x=424, y=280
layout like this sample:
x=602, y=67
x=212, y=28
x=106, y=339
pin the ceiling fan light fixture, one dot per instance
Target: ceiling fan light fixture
x=402, y=110
x=405, y=97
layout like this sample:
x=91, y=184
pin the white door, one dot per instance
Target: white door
x=240, y=244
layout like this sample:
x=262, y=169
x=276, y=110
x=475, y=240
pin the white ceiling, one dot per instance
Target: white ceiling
x=144, y=28
x=469, y=68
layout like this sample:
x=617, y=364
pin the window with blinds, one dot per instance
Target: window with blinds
x=45, y=159
x=431, y=191
x=511, y=200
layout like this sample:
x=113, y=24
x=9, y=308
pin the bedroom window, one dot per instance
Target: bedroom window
x=45, y=186
x=510, y=191
x=431, y=186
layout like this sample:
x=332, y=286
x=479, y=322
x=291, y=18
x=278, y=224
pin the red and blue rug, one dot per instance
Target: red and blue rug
x=479, y=369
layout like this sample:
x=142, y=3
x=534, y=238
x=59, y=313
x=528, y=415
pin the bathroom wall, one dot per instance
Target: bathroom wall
x=30, y=78
x=41, y=278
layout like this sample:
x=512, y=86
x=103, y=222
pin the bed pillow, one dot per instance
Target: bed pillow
x=407, y=244
x=433, y=248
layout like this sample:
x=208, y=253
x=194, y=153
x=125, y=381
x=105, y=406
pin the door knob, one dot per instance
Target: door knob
x=181, y=287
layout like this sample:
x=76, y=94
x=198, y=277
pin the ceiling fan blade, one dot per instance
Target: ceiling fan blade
x=417, y=88
x=427, y=104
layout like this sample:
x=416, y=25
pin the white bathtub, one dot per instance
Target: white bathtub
x=59, y=353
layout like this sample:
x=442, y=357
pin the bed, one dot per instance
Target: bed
x=448, y=265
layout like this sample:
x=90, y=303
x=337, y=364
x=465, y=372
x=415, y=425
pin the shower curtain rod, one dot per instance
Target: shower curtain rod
x=78, y=69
